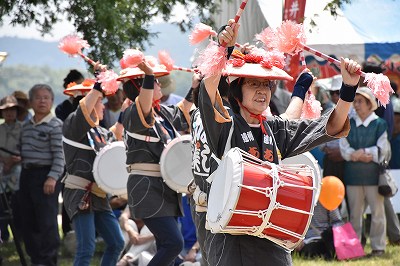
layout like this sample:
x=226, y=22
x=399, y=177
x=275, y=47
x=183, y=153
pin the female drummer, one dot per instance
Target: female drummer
x=148, y=128
x=265, y=139
x=86, y=204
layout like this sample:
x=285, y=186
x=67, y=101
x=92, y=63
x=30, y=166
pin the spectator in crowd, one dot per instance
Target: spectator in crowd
x=386, y=113
x=333, y=162
x=318, y=241
x=112, y=109
x=321, y=92
x=10, y=162
x=23, y=101
x=140, y=245
x=168, y=87
x=42, y=166
x=364, y=149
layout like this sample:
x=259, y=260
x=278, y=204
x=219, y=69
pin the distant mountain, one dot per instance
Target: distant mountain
x=33, y=52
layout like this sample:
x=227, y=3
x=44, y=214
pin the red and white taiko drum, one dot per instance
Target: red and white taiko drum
x=253, y=197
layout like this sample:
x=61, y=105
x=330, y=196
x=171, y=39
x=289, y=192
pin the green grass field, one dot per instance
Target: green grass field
x=390, y=258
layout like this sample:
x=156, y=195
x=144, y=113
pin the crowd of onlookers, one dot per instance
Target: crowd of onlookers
x=31, y=155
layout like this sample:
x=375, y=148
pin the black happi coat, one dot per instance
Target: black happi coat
x=149, y=196
x=79, y=161
x=284, y=139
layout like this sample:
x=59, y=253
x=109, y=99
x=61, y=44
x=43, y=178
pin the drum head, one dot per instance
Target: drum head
x=176, y=164
x=225, y=190
x=109, y=169
x=308, y=159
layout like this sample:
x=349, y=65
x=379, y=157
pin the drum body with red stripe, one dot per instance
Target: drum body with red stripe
x=258, y=198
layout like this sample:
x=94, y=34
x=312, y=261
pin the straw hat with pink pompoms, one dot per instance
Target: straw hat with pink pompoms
x=130, y=61
x=81, y=89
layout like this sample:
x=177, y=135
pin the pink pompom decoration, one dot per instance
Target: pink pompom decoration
x=123, y=64
x=212, y=60
x=109, y=83
x=166, y=60
x=289, y=37
x=200, y=33
x=151, y=60
x=132, y=57
x=276, y=58
x=311, y=107
x=72, y=44
x=380, y=86
x=268, y=37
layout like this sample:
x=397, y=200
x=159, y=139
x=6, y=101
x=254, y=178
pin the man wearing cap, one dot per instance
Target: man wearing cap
x=267, y=139
x=42, y=166
x=364, y=149
x=23, y=101
x=10, y=161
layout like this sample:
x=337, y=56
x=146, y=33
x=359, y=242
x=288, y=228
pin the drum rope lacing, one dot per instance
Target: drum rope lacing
x=271, y=193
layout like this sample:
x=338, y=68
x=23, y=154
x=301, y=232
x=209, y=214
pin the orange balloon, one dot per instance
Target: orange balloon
x=332, y=192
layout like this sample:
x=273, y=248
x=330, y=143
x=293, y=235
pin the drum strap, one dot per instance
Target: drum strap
x=142, y=137
x=77, y=182
x=76, y=144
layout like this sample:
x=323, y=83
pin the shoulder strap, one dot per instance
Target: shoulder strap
x=142, y=137
x=76, y=144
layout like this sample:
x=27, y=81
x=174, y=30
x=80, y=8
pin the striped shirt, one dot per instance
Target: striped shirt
x=41, y=144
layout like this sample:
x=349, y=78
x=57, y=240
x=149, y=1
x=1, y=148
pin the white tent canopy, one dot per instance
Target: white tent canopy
x=361, y=28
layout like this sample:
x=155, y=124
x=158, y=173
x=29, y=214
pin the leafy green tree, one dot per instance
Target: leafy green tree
x=111, y=26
